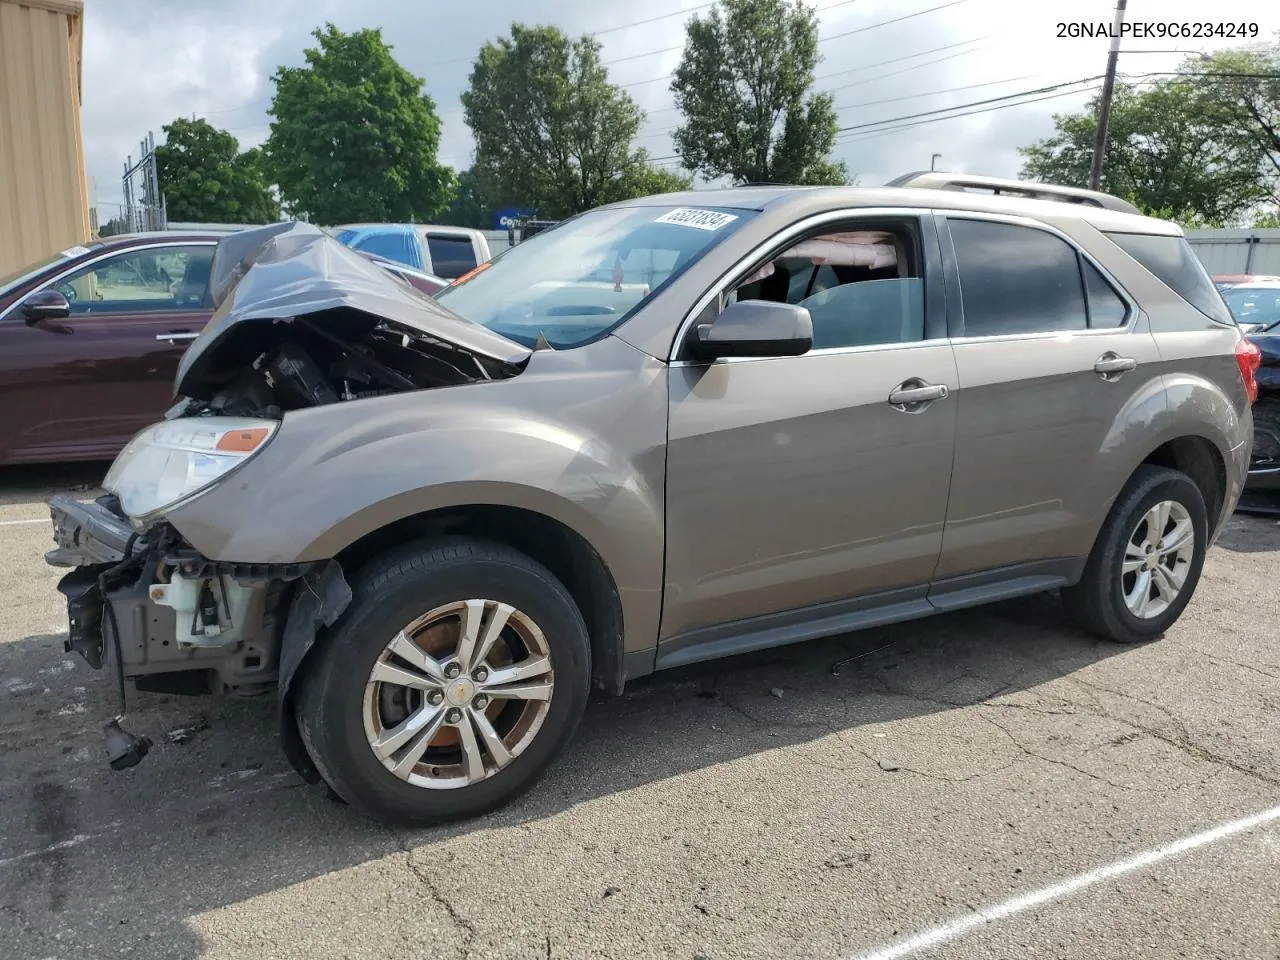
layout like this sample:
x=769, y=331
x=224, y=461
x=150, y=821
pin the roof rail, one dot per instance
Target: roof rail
x=931, y=180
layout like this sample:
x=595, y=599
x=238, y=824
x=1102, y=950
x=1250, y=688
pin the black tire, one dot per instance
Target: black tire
x=1097, y=603
x=389, y=593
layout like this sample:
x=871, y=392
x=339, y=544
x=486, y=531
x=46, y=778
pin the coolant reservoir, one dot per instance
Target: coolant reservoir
x=183, y=596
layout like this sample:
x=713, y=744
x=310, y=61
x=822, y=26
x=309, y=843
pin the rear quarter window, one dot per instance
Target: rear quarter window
x=1173, y=262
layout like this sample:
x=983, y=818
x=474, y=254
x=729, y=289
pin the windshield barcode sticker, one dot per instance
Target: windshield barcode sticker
x=701, y=219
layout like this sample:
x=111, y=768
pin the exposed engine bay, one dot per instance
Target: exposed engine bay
x=267, y=371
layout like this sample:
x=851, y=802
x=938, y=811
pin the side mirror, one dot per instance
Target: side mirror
x=45, y=305
x=754, y=328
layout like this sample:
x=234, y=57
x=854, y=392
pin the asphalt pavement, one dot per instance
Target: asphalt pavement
x=989, y=784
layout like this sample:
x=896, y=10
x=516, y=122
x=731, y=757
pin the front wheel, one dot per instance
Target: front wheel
x=1147, y=559
x=458, y=672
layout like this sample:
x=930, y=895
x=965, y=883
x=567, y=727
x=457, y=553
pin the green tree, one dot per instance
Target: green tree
x=1239, y=91
x=354, y=137
x=468, y=207
x=1163, y=152
x=744, y=86
x=205, y=177
x=551, y=131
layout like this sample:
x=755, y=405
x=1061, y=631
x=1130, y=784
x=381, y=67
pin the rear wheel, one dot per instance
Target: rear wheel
x=1147, y=559
x=454, y=678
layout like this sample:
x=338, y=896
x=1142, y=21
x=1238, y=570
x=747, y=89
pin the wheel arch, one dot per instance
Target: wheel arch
x=570, y=557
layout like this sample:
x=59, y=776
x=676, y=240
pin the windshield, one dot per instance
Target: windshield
x=580, y=279
x=9, y=281
x=1260, y=305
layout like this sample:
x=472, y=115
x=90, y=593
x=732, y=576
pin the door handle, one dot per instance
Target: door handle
x=1111, y=366
x=910, y=396
x=174, y=336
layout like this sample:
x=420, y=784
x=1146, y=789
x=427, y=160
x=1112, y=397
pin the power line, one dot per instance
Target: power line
x=680, y=46
x=909, y=56
x=837, y=36
x=664, y=16
x=871, y=135
x=976, y=103
x=874, y=103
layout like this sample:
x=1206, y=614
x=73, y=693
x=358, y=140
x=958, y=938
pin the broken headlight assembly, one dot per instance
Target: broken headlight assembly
x=174, y=460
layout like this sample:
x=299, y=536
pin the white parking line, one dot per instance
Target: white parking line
x=75, y=841
x=958, y=927
x=14, y=523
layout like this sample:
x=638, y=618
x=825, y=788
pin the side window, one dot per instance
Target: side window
x=451, y=257
x=145, y=281
x=1016, y=279
x=862, y=285
x=392, y=245
x=1174, y=263
x=1106, y=308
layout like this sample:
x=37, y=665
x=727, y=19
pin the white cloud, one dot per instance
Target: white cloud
x=147, y=63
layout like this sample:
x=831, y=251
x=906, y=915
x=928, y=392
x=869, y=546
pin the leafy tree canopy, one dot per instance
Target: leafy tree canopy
x=205, y=177
x=745, y=88
x=1202, y=148
x=354, y=137
x=551, y=131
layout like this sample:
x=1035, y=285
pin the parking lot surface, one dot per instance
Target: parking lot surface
x=992, y=784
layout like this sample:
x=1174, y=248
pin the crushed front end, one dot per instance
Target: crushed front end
x=149, y=608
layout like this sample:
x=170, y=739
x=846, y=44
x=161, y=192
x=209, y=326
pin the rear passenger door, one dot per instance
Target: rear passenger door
x=1053, y=360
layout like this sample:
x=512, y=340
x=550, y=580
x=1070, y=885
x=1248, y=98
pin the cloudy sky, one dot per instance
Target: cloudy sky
x=148, y=61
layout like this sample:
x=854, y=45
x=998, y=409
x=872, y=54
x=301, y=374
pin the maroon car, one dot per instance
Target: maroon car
x=90, y=341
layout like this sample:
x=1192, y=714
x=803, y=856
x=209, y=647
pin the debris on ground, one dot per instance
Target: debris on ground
x=776, y=691
x=889, y=766
x=610, y=891
x=184, y=734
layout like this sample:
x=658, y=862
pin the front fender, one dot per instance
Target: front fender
x=581, y=440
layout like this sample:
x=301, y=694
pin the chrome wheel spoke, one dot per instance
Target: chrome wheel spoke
x=391, y=740
x=1176, y=574
x=384, y=672
x=418, y=746
x=1165, y=587
x=1134, y=551
x=525, y=670
x=472, y=617
x=404, y=648
x=1157, y=520
x=521, y=691
x=492, y=630
x=472, y=758
x=1180, y=537
x=1132, y=566
x=1140, y=596
x=493, y=743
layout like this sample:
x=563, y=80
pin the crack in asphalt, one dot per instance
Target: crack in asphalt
x=464, y=926
x=1057, y=761
x=1253, y=668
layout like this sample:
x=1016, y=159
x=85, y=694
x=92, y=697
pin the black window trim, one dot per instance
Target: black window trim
x=1111, y=235
x=106, y=255
x=814, y=225
x=955, y=303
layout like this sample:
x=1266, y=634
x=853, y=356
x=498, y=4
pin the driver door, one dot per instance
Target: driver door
x=800, y=498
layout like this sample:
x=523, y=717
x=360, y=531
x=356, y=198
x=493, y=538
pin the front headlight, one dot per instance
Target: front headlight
x=176, y=459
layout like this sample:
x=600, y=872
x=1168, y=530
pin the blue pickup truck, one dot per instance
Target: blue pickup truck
x=446, y=252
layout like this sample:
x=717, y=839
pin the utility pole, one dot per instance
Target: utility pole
x=1104, y=109
x=932, y=159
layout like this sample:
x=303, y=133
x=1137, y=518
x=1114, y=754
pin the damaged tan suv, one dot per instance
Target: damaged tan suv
x=663, y=431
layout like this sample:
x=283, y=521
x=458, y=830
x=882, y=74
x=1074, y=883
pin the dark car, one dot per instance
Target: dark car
x=90, y=341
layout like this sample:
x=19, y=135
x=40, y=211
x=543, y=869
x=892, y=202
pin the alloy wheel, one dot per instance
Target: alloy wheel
x=458, y=694
x=1157, y=559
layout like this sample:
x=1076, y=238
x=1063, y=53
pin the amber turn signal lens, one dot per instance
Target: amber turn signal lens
x=242, y=441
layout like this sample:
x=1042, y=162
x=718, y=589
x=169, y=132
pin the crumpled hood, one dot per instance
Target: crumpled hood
x=293, y=269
